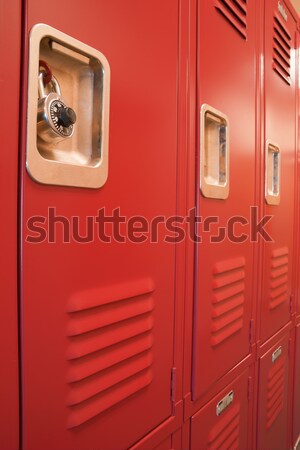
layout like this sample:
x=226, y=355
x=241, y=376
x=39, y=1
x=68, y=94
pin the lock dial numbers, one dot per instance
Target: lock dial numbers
x=57, y=108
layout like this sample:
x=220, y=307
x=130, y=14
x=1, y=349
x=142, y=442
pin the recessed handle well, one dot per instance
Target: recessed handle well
x=60, y=152
x=214, y=153
x=272, y=174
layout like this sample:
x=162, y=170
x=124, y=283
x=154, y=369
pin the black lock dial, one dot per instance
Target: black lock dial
x=63, y=117
x=66, y=116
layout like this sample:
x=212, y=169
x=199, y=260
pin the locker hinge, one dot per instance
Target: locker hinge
x=251, y=332
x=173, y=384
x=249, y=388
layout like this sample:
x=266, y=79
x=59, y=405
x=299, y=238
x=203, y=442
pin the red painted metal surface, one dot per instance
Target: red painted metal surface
x=173, y=442
x=166, y=444
x=189, y=117
x=85, y=387
x=186, y=183
x=296, y=392
x=296, y=254
x=10, y=44
x=229, y=429
x=158, y=439
x=273, y=384
x=297, y=202
x=225, y=284
x=177, y=440
x=280, y=103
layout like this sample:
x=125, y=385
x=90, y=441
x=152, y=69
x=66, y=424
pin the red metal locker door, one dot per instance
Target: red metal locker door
x=272, y=420
x=215, y=428
x=101, y=377
x=280, y=29
x=296, y=397
x=10, y=46
x=224, y=291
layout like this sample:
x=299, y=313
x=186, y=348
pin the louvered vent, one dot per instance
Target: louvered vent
x=279, y=277
x=228, y=299
x=275, y=392
x=282, y=50
x=235, y=11
x=225, y=435
x=110, y=350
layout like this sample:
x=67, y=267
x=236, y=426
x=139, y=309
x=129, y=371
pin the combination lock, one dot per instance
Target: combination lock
x=55, y=120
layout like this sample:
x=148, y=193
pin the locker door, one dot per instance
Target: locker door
x=220, y=428
x=98, y=317
x=10, y=46
x=272, y=426
x=226, y=104
x=296, y=396
x=280, y=100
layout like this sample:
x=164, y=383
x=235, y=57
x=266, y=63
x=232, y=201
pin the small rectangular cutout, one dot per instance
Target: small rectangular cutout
x=272, y=175
x=214, y=153
x=57, y=47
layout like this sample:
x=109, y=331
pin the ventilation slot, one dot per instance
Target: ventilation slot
x=279, y=277
x=225, y=435
x=235, y=11
x=228, y=299
x=275, y=392
x=110, y=348
x=282, y=51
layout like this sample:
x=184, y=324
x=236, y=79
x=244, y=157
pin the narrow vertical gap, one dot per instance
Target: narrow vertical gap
x=21, y=161
x=197, y=210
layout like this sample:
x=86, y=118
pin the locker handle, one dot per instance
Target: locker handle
x=57, y=151
x=224, y=403
x=214, y=153
x=272, y=173
x=276, y=354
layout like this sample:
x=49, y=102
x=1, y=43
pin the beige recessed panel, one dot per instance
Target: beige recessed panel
x=83, y=75
x=272, y=173
x=214, y=153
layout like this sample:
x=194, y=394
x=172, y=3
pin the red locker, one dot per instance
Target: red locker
x=224, y=264
x=273, y=384
x=223, y=423
x=296, y=393
x=98, y=318
x=10, y=46
x=279, y=157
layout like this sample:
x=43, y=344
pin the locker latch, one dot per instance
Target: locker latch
x=276, y=354
x=224, y=403
x=55, y=120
